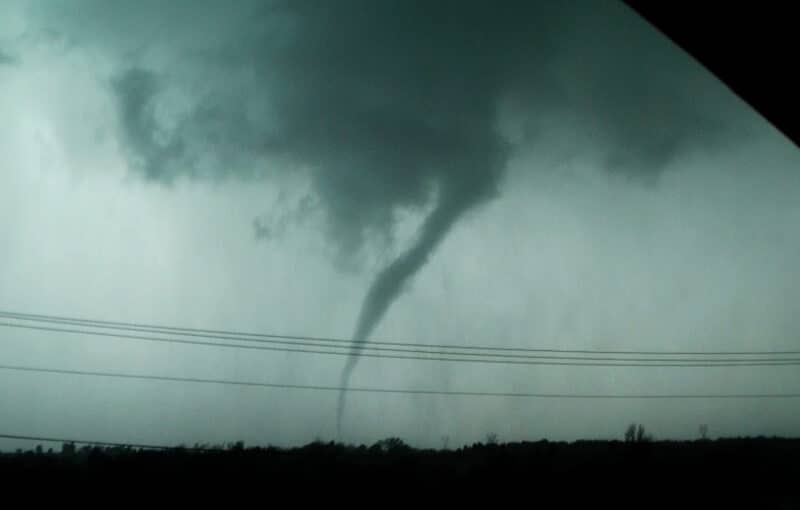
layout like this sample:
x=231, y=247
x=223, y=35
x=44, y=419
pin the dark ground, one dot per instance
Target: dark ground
x=750, y=472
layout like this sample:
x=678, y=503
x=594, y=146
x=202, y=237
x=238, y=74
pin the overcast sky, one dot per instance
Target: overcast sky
x=533, y=174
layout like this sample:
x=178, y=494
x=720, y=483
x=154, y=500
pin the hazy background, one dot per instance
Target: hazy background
x=168, y=164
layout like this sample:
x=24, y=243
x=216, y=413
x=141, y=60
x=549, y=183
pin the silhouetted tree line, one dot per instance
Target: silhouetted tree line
x=724, y=470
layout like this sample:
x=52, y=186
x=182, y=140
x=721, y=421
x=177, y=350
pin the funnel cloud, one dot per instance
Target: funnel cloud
x=455, y=199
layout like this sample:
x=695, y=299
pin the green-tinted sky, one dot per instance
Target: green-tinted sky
x=549, y=174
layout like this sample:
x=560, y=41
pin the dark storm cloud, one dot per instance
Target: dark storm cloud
x=389, y=101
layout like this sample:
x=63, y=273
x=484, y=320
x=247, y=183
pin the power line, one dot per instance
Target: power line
x=248, y=336
x=452, y=357
x=394, y=390
x=102, y=443
x=278, y=342
x=365, y=346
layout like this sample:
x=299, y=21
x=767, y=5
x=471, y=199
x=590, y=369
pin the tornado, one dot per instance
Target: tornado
x=455, y=199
